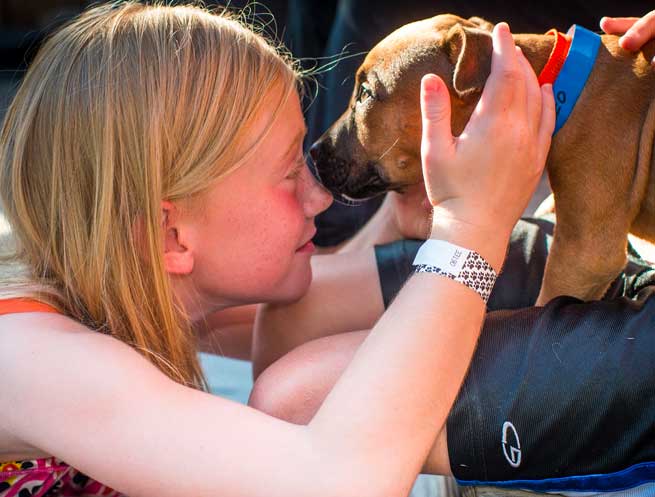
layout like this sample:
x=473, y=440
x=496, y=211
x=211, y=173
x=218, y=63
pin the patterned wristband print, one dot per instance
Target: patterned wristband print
x=476, y=274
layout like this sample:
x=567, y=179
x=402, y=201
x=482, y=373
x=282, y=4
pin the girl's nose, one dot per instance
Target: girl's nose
x=317, y=198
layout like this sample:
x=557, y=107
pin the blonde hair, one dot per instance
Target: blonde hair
x=126, y=106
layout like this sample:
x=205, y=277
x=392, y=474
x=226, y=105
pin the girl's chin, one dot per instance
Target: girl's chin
x=295, y=288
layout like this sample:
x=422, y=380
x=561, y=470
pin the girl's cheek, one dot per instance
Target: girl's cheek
x=291, y=202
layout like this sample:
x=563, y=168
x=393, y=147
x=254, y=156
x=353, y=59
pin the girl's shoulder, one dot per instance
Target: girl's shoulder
x=54, y=369
x=27, y=328
x=27, y=325
x=41, y=344
x=21, y=319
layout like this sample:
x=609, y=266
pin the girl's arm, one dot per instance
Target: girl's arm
x=97, y=404
x=228, y=332
x=344, y=296
x=294, y=387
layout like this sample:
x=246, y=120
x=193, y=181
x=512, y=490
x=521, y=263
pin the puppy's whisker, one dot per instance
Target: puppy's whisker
x=388, y=150
x=333, y=61
x=350, y=202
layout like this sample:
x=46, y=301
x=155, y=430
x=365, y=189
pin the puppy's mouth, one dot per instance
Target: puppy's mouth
x=369, y=191
x=342, y=183
x=370, y=183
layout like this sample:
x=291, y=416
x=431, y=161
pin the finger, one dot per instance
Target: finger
x=617, y=25
x=437, y=140
x=639, y=33
x=546, y=122
x=533, y=92
x=505, y=81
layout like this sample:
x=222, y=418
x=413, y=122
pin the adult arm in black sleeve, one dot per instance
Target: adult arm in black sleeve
x=518, y=283
x=558, y=398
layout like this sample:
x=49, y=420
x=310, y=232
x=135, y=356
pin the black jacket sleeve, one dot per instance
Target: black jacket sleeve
x=560, y=397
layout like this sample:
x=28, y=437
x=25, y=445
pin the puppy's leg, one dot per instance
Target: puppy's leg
x=585, y=257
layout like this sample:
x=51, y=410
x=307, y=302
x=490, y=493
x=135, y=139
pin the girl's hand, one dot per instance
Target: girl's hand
x=485, y=177
x=636, y=32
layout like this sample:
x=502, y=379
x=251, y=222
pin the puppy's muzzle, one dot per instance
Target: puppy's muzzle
x=344, y=177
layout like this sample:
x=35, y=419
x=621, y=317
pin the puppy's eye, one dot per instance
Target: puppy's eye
x=364, y=92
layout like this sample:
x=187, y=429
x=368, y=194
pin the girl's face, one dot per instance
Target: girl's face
x=252, y=234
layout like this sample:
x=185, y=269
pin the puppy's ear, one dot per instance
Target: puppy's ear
x=469, y=50
x=481, y=23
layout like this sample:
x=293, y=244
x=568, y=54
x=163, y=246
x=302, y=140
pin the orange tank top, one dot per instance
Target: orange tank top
x=49, y=476
x=18, y=305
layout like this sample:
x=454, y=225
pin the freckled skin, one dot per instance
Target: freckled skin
x=256, y=218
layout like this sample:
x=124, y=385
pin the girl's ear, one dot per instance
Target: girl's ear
x=178, y=257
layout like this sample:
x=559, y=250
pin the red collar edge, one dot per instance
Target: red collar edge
x=556, y=59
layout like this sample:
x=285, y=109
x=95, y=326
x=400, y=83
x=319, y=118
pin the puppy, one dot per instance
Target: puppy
x=599, y=164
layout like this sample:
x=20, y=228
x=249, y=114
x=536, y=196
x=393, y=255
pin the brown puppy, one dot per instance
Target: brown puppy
x=599, y=164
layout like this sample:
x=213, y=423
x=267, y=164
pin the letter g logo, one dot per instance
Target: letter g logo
x=511, y=445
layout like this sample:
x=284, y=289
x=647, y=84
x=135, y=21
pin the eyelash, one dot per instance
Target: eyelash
x=297, y=169
x=364, y=92
x=364, y=89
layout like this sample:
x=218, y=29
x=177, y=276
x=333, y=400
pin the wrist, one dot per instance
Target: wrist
x=458, y=263
x=489, y=241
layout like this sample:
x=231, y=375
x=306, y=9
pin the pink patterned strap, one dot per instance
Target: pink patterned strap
x=48, y=476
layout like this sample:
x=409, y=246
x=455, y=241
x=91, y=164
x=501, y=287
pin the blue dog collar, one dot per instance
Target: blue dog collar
x=574, y=73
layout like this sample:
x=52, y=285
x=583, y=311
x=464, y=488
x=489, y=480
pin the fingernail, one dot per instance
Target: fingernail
x=430, y=83
x=624, y=39
x=503, y=25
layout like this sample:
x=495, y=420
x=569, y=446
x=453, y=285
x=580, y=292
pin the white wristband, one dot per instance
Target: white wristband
x=457, y=263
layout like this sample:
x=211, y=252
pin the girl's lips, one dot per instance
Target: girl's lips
x=307, y=248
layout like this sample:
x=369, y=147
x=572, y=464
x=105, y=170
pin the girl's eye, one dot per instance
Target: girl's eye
x=297, y=168
x=364, y=93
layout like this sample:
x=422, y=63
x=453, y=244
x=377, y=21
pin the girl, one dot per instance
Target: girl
x=152, y=173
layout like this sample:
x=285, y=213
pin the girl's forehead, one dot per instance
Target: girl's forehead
x=286, y=131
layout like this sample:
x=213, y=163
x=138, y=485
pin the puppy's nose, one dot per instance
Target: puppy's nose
x=332, y=171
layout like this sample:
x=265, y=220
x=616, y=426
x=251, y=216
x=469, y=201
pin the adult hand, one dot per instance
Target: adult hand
x=411, y=212
x=636, y=32
x=485, y=177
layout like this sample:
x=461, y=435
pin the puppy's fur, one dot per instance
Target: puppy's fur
x=599, y=164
